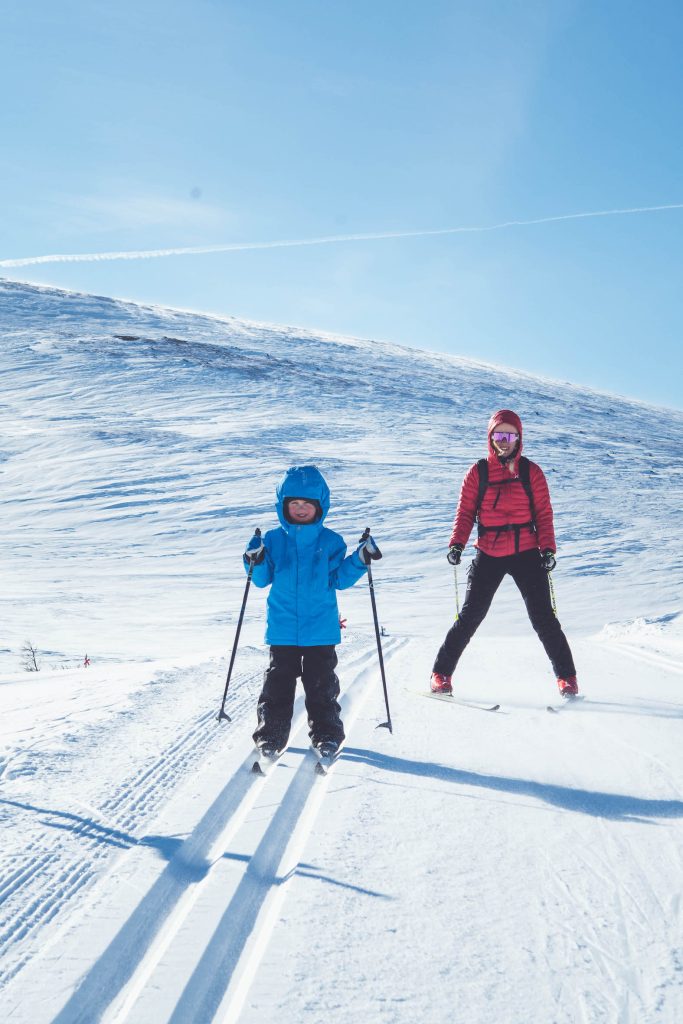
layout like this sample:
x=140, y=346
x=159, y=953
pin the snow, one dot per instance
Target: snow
x=515, y=866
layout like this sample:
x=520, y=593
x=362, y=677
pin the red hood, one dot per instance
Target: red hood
x=504, y=416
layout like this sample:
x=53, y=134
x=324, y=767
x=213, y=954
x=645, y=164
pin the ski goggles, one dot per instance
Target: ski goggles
x=509, y=436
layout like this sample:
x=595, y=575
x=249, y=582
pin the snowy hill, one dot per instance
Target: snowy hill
x=472, y=867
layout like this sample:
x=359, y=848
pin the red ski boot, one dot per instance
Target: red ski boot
x=568, y=687
x=440, y=683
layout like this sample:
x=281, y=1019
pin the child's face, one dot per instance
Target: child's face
x=301, y=511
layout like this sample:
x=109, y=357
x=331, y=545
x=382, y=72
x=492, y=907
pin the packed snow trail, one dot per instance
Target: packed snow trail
x=266, y=819
x=520, y=866
x=507, y=867
x=67, y=850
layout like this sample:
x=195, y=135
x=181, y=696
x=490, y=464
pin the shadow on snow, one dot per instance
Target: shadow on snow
x=188, y=865
x=613, y=806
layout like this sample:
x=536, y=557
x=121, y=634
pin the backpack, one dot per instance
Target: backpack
x=524, y=480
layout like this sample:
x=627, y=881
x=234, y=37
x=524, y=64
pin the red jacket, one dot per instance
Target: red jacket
x=506, y=505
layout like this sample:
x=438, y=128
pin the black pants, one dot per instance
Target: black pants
x=484, y=577
x=315, y=666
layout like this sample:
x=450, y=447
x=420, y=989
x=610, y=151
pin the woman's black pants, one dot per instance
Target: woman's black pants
x=484, y=577
x=315, y=666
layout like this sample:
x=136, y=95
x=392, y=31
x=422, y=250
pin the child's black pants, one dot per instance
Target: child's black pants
x=315, y=666
x=484, y=577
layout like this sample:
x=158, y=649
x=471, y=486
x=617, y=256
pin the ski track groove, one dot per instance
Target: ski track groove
x=35, y=896
x=606, y=731
x=32, y=896
x=650, y=658
x=223, y=976
x=287, y=823
x=624, y=988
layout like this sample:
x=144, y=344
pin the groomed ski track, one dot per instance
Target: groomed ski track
x=538, y=853
x=194, y=932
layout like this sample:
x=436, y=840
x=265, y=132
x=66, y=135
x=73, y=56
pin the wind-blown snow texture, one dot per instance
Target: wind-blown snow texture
x=515, y=866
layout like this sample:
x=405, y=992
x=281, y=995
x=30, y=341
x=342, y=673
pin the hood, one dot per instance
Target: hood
x=504, y=416
x=302, y=482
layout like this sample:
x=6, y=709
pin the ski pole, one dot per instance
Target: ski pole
x=457, y=596
x=222, y=714
x=552, y=595
x=387, y=724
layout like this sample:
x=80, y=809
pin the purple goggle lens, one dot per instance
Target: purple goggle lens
x=510, y=436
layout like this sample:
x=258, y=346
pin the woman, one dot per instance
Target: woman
x=508, y=495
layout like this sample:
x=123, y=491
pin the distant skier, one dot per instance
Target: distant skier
x=306, y=563
x=508, y=496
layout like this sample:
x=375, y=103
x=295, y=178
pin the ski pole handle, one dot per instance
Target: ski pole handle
x=374, y=554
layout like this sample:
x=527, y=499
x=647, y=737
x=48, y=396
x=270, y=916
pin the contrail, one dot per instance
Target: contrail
x=148, y=254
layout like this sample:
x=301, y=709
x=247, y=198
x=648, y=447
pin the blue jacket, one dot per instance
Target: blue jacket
x=306, y=565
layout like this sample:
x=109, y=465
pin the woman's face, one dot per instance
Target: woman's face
x=505, y=446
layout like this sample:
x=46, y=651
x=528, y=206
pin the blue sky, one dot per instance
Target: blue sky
x=146, y=125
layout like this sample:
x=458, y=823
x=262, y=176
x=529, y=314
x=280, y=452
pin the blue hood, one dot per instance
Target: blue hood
x=305, y=565
x=302, y=482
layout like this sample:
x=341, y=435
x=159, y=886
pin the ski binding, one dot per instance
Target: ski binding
x=265, y=760
x=567, y=702
x=326, y=756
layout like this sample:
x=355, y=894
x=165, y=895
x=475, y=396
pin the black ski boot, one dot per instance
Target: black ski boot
x=326, y=752
x=267, y=755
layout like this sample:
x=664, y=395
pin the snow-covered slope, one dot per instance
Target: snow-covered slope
x=514, y=866
x=141, y=446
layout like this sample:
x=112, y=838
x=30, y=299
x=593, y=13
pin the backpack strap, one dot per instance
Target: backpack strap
x=524, y=479
x=483, y=467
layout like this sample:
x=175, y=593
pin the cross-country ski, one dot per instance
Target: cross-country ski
x=448, y=698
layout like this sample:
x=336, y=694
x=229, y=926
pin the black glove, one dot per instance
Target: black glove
x=255, y=551
x=368, y=550
x=548, y=560
x=454, y=554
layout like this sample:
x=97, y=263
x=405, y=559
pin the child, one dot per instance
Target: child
x=508, y=496
x=306, y=564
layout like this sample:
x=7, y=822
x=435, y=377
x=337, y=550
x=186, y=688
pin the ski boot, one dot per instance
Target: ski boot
x=267, y=755
x=326, y=751
x=568, y=688
x=440, y=683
